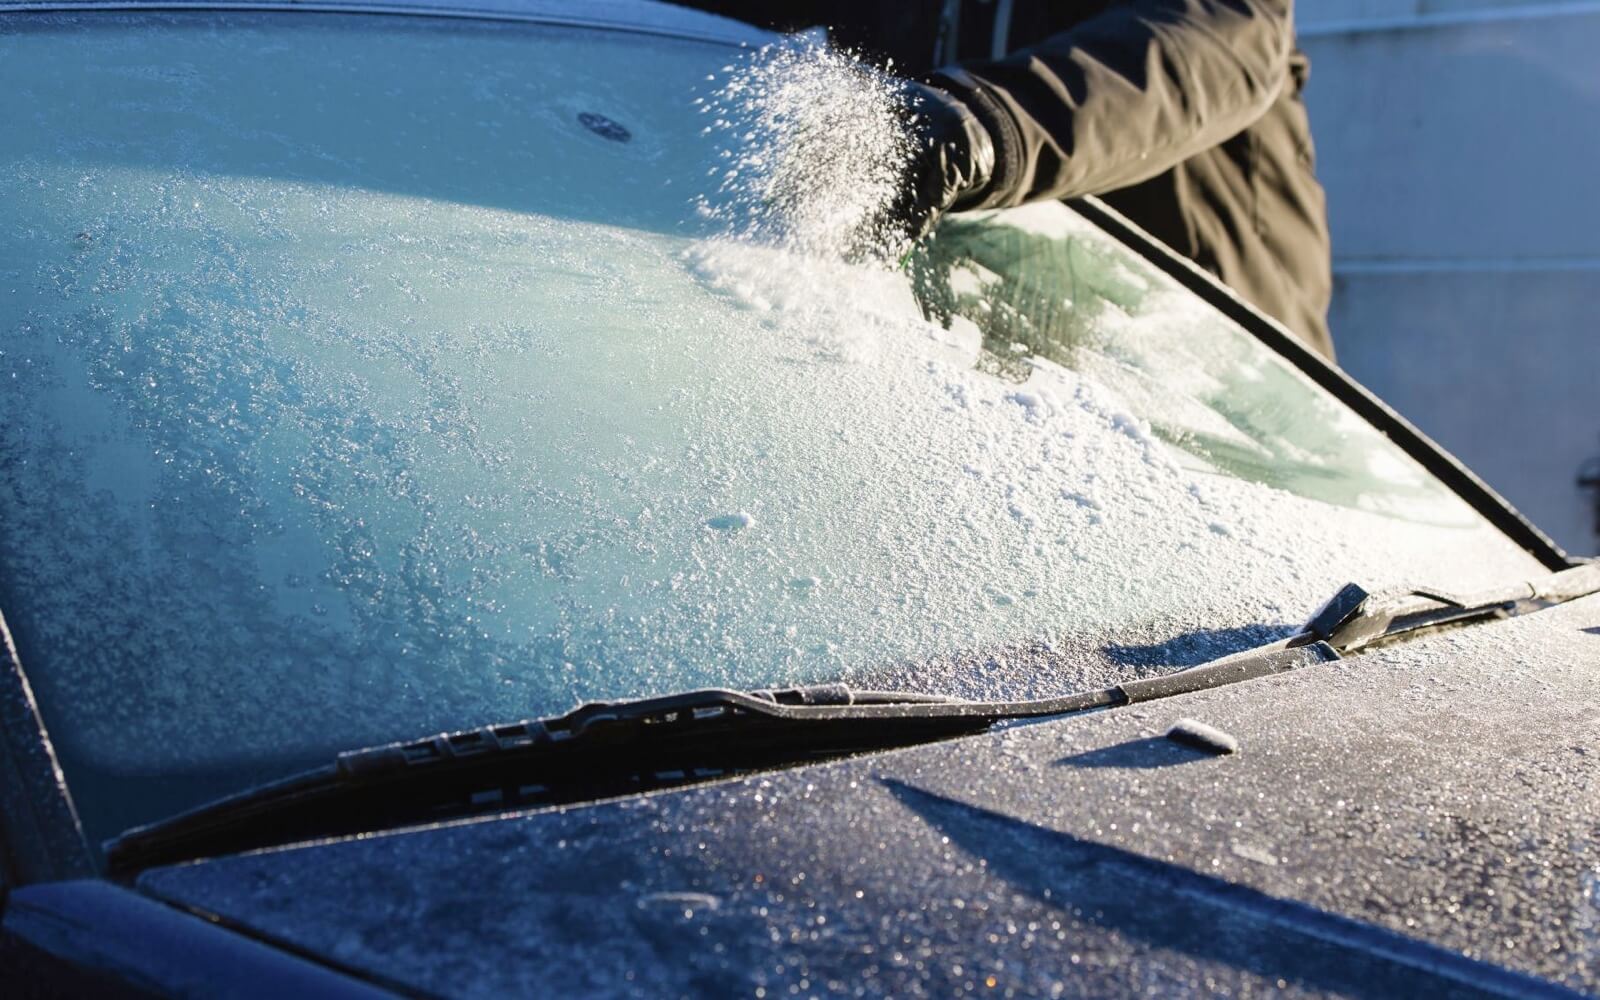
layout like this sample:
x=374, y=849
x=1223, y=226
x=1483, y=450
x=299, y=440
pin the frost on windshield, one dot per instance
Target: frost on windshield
x=354, y=393
x=1039, y=283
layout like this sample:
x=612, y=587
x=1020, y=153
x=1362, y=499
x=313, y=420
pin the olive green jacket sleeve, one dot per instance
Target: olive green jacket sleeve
x=1125, y=95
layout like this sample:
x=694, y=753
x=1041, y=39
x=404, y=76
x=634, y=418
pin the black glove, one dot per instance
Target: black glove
x=951, y=163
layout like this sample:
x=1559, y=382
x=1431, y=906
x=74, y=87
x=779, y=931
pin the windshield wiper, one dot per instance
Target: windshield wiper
x=1354, y=619
x=606, y=749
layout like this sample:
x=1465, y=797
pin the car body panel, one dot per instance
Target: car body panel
x=1391, y=821
x=89, y=937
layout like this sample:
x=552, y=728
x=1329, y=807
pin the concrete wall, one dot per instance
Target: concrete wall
x=1460, y=144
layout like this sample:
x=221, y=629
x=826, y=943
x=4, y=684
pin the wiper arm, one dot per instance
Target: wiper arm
x=603, y=749
x=1355, y=619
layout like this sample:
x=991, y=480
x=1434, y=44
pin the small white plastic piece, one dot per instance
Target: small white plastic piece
x=1202, y=737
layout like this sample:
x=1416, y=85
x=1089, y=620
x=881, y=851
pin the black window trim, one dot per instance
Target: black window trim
x=41, y=837
x=1405, y=435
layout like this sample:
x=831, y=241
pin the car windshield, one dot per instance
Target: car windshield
x=369, y=376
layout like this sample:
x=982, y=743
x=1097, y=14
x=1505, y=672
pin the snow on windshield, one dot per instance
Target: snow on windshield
x=357, y=392
x=811, y=147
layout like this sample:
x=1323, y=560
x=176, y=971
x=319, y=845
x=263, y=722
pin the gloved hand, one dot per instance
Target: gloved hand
x=951, y=163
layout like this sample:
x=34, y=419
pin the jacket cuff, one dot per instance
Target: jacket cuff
x=1004, y=135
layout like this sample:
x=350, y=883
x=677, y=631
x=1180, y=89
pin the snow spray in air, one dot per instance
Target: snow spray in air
x=811, y=146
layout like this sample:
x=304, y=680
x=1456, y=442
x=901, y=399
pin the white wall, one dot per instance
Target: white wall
x=1459, y=141
x=1310, y=14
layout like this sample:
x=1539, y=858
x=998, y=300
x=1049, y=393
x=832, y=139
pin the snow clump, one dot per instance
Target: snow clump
x=812, y=145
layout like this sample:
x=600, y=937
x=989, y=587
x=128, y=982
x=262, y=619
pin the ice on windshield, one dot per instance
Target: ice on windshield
x=365, y=378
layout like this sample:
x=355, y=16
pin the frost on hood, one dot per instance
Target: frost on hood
x=307, y=447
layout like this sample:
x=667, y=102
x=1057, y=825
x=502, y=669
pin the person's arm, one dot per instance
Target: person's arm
x=1124, y=96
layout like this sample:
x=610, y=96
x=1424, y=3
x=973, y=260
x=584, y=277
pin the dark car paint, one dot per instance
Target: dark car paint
x=1405, y=821
x=91, y=937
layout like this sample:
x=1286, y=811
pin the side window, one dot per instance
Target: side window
x=1045, y=287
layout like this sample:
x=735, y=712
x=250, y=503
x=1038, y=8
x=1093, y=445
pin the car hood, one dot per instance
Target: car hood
x=1420, y=818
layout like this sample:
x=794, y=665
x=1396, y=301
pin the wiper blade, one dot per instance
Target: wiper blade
x=603, y=749
x=1354, y=619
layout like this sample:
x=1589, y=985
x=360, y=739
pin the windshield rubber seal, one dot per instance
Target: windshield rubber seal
x=1445, y=467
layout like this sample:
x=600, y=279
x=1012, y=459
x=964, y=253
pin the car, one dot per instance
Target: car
x=1029, y=616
